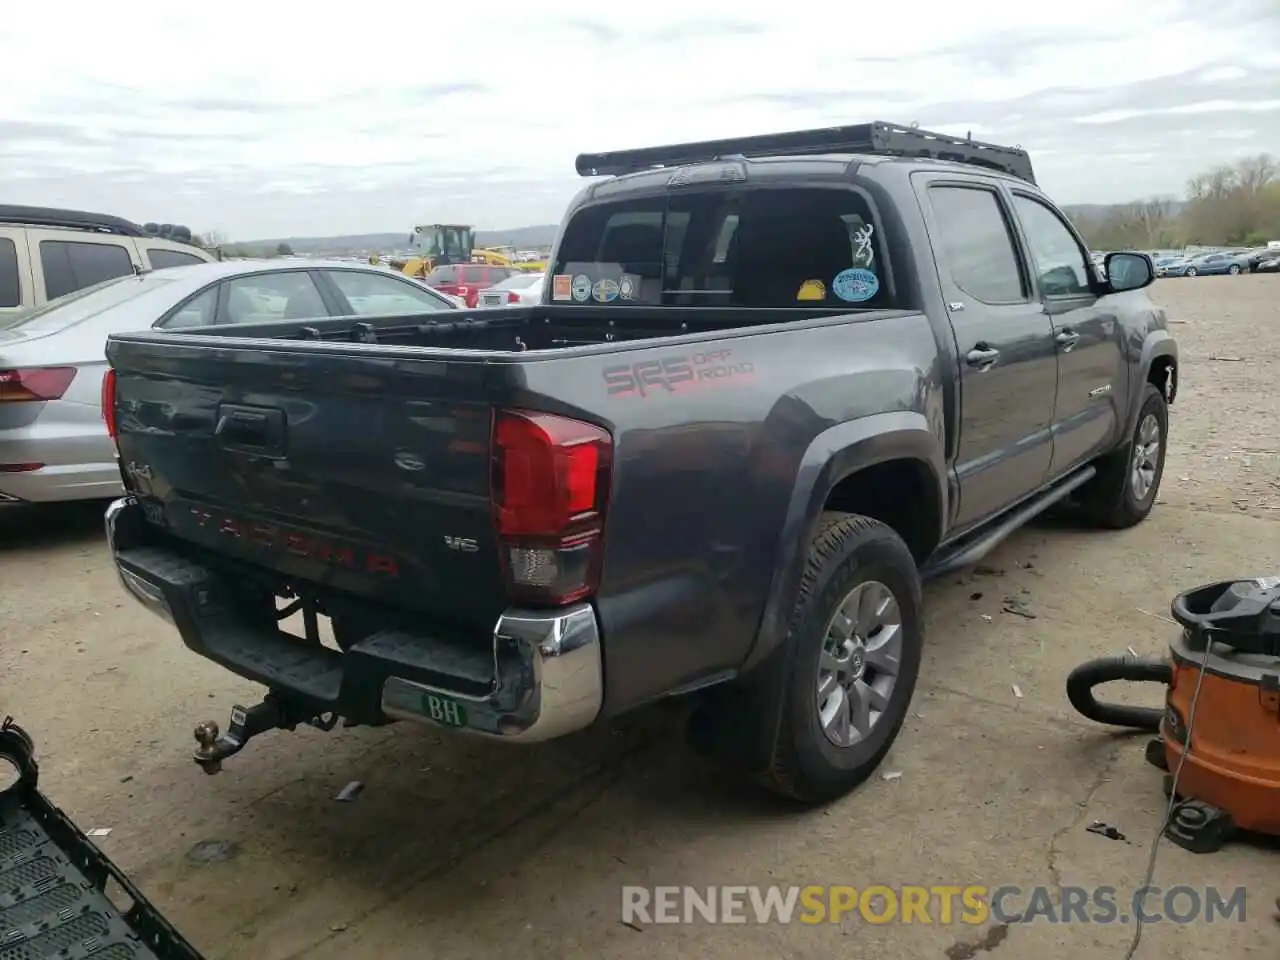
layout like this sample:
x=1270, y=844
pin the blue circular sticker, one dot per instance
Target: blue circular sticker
x=855, y=285
x=605, y=290
x=582, y=288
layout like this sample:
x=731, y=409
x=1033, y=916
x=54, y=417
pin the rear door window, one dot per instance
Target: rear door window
x=263, y=297
x=71, y=265
x=782, y=247
x=976, y=245
x=445, y=274
x=10, y=283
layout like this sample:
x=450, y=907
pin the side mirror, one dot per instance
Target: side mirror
x=1128, y=271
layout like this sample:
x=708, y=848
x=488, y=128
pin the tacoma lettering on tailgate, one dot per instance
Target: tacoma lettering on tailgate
x=272, y=537
x=676, y=374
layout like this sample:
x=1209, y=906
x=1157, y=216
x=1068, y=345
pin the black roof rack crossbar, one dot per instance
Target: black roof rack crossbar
x=75, y=219
x=876, y=139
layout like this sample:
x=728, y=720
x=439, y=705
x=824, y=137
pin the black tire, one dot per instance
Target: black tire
x=802, y=763
x=1192, y=272
x=1234, y=270
x=1110, y=500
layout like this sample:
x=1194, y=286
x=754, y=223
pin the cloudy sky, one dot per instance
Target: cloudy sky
x=368, y=117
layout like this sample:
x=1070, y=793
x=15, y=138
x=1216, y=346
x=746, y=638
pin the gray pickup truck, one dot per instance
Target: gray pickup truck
x=774, y=383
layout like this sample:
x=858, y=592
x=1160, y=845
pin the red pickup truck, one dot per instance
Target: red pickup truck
x=466, y=280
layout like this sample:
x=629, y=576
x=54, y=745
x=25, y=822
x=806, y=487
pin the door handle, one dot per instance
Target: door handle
x=982, y=357
x=1067, y=339
x=256, y=430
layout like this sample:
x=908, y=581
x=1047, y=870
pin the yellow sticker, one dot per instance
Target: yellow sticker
x=812, y=290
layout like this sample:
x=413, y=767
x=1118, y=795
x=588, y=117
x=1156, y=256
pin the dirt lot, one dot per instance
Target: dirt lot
x=458, y=849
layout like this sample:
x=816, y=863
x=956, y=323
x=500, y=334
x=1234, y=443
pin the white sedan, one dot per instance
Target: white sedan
x=53, y=442
x=521, y=289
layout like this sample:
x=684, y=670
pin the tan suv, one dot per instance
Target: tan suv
x=46, y=253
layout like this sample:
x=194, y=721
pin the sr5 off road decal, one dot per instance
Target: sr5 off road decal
x=677, y=374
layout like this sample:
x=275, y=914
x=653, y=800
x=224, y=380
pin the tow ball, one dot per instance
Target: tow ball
x=273, y=713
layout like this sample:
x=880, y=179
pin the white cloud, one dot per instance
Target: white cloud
x=261, y=119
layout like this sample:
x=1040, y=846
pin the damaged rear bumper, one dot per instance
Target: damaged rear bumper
x=538, y=677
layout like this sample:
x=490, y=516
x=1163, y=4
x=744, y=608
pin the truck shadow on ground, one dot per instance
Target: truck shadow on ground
x=31, y=527
x=445, y=819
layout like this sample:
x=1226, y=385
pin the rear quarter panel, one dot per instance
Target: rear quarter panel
x=711, y=439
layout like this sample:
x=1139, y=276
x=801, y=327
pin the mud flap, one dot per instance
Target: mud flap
x=53, y=880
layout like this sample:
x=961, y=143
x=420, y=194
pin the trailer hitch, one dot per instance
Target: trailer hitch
x=273, y=713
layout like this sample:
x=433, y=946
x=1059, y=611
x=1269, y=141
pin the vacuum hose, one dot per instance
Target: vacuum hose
x=1085, y=677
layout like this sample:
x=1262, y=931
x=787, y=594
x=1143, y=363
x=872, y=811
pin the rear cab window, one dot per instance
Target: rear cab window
x=791, y=247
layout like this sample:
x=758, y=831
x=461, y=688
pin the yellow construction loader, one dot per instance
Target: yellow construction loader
x=438, y=244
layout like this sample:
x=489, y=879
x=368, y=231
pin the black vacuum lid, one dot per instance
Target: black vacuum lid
x=1242, y=614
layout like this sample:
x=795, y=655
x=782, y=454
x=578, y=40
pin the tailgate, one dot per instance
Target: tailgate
x=365, y=474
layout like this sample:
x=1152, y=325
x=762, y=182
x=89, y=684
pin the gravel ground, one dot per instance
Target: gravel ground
x=460, y=849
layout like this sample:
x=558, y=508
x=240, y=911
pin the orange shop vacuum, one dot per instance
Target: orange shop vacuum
x=1218, y=736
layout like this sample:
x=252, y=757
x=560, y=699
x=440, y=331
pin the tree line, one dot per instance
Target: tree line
x=1230, y=205
x=214, y=240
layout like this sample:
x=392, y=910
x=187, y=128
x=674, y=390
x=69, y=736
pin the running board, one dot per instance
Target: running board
x=970, y=550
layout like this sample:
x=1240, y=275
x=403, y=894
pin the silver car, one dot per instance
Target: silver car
x=523, y=288
x=53, y=442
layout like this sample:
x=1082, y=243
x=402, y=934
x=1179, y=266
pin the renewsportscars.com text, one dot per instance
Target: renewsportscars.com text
x=939, y=904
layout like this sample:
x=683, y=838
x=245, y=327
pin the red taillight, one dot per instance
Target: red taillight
x=550, y=487
x=35, y=383
x=109, y=402
x=513, y=297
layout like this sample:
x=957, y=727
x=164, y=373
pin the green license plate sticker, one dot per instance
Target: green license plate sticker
x=443, y=710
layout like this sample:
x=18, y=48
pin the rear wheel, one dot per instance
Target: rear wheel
x=1234, y=270
x=1124, y=491
x=840, y=690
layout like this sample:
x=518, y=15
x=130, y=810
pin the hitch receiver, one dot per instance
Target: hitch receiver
x=273, y=713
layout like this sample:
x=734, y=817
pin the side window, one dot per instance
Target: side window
x=69, y=265
x=977, y=244
x=1060, y=264
x=264, y=297
x=199, y=311
x=378, y=295
x=10, y=284
x=170, y=258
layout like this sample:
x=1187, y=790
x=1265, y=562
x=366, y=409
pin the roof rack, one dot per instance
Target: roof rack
x=877, y=139
x=73, y=219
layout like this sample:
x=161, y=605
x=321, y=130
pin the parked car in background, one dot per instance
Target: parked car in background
x=522, y=288
x=1208, y=265
x=1269, y=264
x=53, y=442
x=466, y=280
x=1164, y=264
x=46, y=253
x=1255, y=258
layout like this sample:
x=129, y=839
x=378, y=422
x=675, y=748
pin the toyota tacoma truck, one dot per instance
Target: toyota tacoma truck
x=773, y=383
